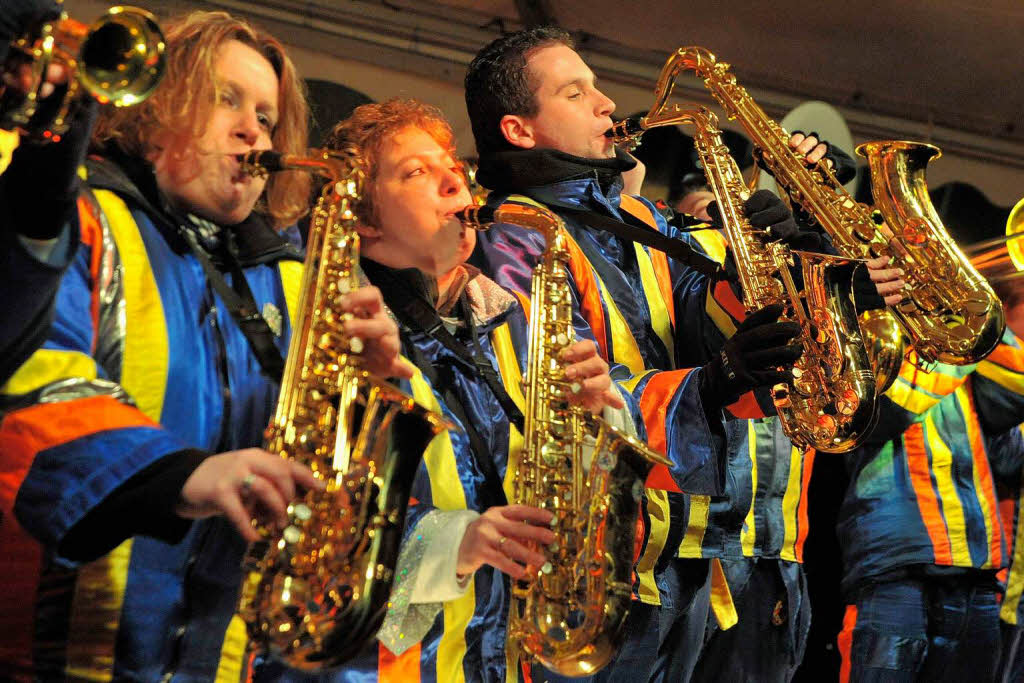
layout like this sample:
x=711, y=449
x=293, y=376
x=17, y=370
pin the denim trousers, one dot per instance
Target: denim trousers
x=774, y=615
x=922, y=629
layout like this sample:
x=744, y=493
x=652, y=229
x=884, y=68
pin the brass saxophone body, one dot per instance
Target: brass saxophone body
x=831, y=406
x=951, y=314
x=315, y=595
x=569, y=614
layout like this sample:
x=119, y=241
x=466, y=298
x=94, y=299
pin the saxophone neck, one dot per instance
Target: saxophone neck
x=331, y=164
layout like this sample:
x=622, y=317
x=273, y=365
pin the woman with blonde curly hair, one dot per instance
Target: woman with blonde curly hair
x=131, y=472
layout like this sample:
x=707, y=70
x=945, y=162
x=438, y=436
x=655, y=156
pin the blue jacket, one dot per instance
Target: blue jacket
x=652, y=315
x=921, y=492
x=142, y=363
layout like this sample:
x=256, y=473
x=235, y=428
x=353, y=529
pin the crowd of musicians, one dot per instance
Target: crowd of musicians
x=151, y=287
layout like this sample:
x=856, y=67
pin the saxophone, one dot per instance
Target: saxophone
x=951, y=314
x=569, y=614
x=316, y=594
x=832, y=403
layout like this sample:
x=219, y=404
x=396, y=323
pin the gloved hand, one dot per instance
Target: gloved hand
x=765, y=210
x=843, y=167
x=19, y=17
x=751, y=358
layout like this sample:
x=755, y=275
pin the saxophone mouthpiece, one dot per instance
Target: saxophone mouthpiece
x=627, y=131
x=476, y=217
x=260, y=163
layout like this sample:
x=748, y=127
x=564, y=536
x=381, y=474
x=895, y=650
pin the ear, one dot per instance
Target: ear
x=368, y=231
x=517, y=131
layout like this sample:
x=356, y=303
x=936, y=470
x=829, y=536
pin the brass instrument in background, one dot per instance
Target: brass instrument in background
x=831, y=406
x=118, y=59
x=316, y=594
x=950, y=313
x=570, y=613
x=1001, y=259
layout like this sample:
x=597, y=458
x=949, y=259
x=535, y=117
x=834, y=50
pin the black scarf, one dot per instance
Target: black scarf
x=516, y=169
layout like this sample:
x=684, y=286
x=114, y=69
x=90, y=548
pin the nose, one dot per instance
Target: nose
x=451, y=182
x=605, y=104
x=247, y=127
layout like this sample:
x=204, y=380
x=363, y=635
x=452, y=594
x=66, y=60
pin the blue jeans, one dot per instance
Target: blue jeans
x=767, y=643
x=661, y=642
x=925, y=630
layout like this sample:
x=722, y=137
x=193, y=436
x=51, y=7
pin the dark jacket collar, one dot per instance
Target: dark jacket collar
x=412, y=290
x=515, y=170
x=132, y=179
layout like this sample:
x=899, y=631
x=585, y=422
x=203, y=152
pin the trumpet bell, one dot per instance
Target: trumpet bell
x=118, y=59
x=1002, y=258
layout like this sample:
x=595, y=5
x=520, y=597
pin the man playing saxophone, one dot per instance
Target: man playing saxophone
x=540, y=125
x=145, y=407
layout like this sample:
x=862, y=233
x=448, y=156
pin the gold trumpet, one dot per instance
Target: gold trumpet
x=118, y=59
x=1002, y=258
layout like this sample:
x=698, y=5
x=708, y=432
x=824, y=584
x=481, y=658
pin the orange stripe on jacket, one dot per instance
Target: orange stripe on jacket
x=92, y=238
x=726, y=298
x=24, y=433
x=921, y=479
x=590, y=295
x=659, y=259
x=845, y=642
x=654, y=404
x=403, y=668
x=1007, y=356
x=988, y=488
x=802, y=521
x=746, y=407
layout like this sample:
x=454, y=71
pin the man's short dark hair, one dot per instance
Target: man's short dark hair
x=498, y=83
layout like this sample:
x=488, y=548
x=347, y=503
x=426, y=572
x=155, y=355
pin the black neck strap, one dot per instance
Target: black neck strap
x=240, y=303
x=415, y=313
x=676, y=249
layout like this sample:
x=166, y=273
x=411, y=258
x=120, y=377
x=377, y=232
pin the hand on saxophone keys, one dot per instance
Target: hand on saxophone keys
x=247, y=486
x=373, y=335
x=888, y=281
x=506, y=537
x=809, y=147
x=588, y=373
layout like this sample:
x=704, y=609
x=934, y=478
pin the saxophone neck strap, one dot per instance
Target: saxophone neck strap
x=241, y=304
x=416, y=313
x=481, y=453
x=648, y=236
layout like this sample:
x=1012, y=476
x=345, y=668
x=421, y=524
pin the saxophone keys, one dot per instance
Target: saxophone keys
x=847, y=402
x=291, y=534
x=300, y=511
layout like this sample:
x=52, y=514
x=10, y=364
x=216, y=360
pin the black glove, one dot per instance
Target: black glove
x=865, y=294
x=751, y=358
x=20, y=17
x=39, y=189
x=765, y=210
x=843, y=167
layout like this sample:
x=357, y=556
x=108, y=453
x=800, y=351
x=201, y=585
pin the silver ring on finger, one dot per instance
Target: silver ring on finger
x=245, y=488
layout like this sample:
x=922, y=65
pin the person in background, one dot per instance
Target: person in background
x=38, y=193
